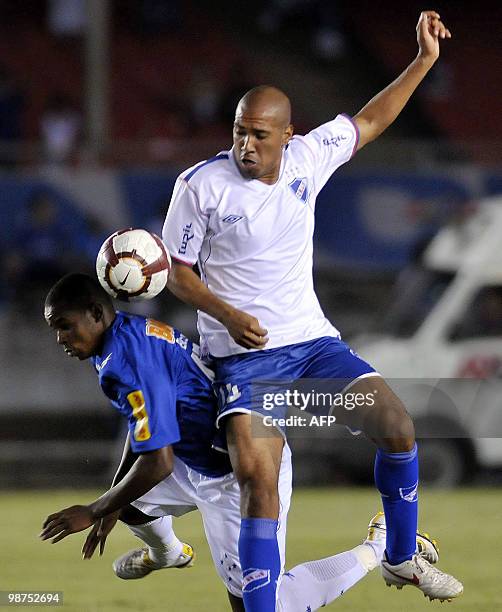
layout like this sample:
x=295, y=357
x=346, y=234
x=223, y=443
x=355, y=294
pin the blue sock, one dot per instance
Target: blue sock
x=396, y=477
x=260, y=562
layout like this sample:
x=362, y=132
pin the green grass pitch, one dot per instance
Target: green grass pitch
x=467, y=523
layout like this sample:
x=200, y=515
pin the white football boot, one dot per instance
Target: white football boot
x=418, y=572
x=426, y=546
x=137, y=563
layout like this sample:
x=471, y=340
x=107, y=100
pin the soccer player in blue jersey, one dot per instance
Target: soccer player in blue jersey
x=246, y=218
x=153, y=376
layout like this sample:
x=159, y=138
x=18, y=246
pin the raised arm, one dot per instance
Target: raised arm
x=383, y=109
x=243, y=328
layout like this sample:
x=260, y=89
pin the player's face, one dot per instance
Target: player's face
x=78, y=332
x=258, y=143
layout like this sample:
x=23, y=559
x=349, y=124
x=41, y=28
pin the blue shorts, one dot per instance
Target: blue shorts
x=271, y=381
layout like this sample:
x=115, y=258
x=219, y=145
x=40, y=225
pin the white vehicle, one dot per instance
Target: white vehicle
x=442, y=347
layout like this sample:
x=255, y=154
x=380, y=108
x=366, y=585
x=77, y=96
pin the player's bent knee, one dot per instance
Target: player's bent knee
x=394, y=430
x=400, y=427
x=388, y=422
x=256, y=461
x=132, y=516
x=259, y=498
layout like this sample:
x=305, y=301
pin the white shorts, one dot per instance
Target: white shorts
x=218, y=500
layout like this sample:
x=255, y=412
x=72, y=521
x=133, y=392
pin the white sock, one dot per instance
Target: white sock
x=318, y=583
x=163, y=545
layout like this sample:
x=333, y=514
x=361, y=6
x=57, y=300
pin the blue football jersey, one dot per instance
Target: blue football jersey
x=153, y=376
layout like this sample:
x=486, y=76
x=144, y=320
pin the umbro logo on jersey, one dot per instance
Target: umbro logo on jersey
x=187, y=235
x=231, y=218
x=299, y=186
x=100, y=366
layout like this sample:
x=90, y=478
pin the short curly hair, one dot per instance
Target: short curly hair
x=77, y=291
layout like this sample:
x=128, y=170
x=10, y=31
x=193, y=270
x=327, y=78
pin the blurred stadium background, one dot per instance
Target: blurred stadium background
x=103, y=102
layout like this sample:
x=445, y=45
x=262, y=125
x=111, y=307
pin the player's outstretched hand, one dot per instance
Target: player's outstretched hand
x=98, y=535
x=430, y=29
x=245, y=329
x=65, y=522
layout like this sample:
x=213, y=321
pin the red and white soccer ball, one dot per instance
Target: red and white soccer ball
x=133, y=264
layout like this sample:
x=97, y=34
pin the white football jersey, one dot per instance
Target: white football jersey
x=253, y=242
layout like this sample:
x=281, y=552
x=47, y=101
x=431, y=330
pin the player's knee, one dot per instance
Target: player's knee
x=397, y=428
x=259, y=502
x=132, y=516
x=259, y=493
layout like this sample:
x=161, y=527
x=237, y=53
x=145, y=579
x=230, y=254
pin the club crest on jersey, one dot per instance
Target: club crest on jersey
x=299, y=186
x=255, y=579
x=409, y=494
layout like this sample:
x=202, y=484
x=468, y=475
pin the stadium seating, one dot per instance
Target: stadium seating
x=151, y=75
x=462, y=97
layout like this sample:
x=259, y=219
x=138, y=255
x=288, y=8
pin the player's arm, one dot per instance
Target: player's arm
x=383, y=109
x=104, y=526
x=148, y=470
x=126, y=462
x=185, y=228
x=187, y=286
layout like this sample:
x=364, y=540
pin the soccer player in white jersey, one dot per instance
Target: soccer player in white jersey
x=246, y=217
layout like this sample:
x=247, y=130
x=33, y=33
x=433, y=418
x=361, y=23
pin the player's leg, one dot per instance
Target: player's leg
x=388, y=424
x=222, y=524
x=396, y=477
x=315, y=584
x=256, y=461
x=163, y=548
x=150, y=519
x=384, y=419
x=255, y=453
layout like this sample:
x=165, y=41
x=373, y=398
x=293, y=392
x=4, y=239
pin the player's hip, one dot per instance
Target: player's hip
x=284, y=331
x=276, y=382
x=321, y=357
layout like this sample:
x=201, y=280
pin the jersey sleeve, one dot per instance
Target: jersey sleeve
x=147, y=399
x=185, y=225
x=331, y=144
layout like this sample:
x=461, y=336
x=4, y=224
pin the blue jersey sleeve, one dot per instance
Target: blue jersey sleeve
x=146, y=397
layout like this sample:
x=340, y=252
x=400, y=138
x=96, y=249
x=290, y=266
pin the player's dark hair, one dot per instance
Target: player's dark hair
x=78, y=291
